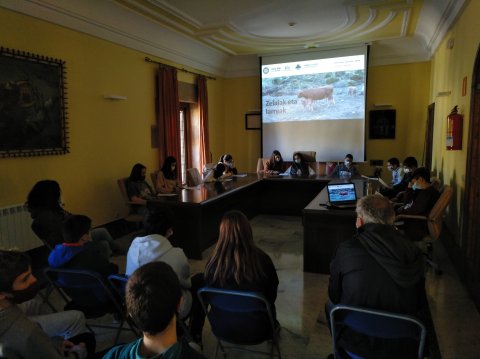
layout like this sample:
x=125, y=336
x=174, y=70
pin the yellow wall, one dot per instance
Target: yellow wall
x=242, y=95
x=405, y=87
x=449, y=67
x=107, y=137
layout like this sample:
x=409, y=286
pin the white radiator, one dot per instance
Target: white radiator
x=15, y=231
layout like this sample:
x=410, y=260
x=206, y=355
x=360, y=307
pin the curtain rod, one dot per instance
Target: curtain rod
x=147, y=59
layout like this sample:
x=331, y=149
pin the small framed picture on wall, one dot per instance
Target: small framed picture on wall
x=382, y=124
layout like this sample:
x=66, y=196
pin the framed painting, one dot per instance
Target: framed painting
x=33, y=116
x=382, y=124
x=253, y=121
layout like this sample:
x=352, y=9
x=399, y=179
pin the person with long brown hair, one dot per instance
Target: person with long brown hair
x=237, y=263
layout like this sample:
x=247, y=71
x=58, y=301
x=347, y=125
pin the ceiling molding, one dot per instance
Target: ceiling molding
x=168, y=31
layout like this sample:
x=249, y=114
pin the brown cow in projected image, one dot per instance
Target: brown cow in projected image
x=312, y=95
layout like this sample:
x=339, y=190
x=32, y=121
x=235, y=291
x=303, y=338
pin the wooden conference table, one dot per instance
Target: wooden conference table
x=324, y=228
x=198, y=212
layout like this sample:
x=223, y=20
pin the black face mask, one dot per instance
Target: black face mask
x=24, y=295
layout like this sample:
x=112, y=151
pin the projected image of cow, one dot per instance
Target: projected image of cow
x=325, y=96
x=315, y=101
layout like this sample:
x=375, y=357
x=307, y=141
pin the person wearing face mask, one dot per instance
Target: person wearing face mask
x=397, y=192
x=275, y=164
x=346, y=169
x=225, y=167
x=379, y=269
x=393, y=165
x=419, y=199
x=32, y=337
x=167, y=181
x=138, y=190
x=299, y=167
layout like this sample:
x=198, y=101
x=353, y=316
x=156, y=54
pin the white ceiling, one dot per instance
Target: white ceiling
x=225, y=37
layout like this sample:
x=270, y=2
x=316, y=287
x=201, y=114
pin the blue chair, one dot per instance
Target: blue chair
x=86, y=283
x=223, y=309
x=374, y=323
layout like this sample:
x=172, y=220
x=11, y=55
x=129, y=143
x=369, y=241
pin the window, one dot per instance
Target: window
x=189, y=138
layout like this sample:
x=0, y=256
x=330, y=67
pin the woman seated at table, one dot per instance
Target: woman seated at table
x=225, y=167
x=167, y=181
x=138, y=190
x=237, y=263
x=275, y=164
x=300, y=168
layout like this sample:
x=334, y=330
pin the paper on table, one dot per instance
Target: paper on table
x=240, y=175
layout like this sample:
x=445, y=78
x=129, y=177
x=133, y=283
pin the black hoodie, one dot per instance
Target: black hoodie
x=378, y=268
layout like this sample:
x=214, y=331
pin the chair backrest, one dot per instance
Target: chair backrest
x=118, y=283
x=83, y=286
x=330, y=168
x=193, y=177
x=122, y=185
x=435, y=217
x=236, y=302
x=376, y=323
x=153, y=177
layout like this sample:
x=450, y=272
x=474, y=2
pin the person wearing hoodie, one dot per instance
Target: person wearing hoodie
x=21, y=337
x=379, y=268
x=79, y=252
x=156, y=247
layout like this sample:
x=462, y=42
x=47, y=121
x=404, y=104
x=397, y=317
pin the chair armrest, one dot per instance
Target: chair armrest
x=410, y=216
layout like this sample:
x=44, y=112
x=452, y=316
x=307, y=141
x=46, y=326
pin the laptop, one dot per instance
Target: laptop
x=342, y=195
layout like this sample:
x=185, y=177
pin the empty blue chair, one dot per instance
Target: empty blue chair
x=375, y=323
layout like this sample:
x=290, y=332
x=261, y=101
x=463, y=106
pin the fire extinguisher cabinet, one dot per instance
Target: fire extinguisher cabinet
x=454, y=130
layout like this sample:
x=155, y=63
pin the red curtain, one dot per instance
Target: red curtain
x=168, y=113
x=203, y=109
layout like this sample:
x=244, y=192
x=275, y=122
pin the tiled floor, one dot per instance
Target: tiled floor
x=301, y=297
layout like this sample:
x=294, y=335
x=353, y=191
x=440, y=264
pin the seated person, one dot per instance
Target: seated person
x=237, y=263
x=225, y=167
x=156, y=247
x=379, y=269
x=346, y=169
x=167, y=181
x=138, y=190
x=275, y=164
x=419, y=199
x=46, y=208
x=153, y=296
x=78, y=252
x=396, y=192
x=300, y=167
x=393, y=165
x=21, y=337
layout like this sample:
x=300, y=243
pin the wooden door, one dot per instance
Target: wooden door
x=471, y=211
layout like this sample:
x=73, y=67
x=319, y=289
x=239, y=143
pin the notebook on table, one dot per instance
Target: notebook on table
x=342, y=195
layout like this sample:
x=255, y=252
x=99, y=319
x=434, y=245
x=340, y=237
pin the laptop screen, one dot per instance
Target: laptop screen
x=339, y=193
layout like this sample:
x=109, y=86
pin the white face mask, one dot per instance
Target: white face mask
x=406, y=170
x=348, y=163
x=298, y=161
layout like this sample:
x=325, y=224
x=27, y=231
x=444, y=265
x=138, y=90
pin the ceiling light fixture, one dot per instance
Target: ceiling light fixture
x=292, y=24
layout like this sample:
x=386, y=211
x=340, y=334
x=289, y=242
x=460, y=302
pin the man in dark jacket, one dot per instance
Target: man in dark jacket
x=419, y=199
x=79, y=252
x=378, y=268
